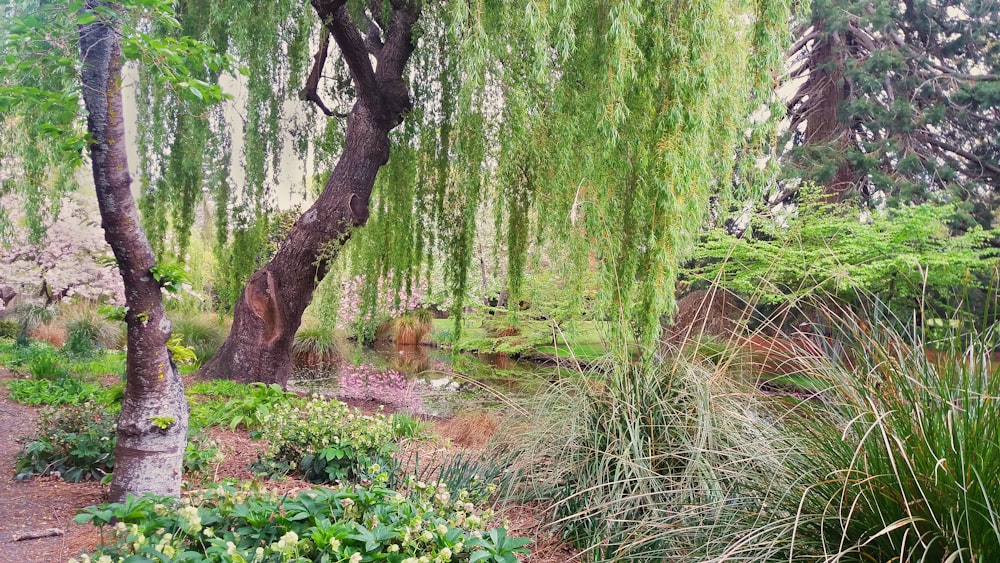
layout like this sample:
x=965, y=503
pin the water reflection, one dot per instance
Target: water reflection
x=419, y=379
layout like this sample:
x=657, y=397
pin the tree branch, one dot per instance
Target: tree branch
x=394, y=55
x=311, y=91
x=373, y=40
x=335, y=18
x=968, y=156
x=802, y=42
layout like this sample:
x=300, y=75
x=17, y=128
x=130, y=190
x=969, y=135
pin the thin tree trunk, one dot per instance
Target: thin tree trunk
x=152, y=427
x=268, y=313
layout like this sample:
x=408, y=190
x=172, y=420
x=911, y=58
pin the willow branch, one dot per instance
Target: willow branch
x=311, y=91
x=335, y=18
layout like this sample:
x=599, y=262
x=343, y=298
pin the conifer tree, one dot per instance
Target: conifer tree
x=900, y=100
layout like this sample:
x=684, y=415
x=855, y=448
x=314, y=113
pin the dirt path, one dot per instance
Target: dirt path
x=38, y=505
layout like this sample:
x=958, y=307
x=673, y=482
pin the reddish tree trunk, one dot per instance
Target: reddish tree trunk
x=152, y=426
x=825, y=124
x=268, y=313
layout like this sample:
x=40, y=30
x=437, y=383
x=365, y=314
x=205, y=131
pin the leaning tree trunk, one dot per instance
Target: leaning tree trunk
x=267, y=314
x=152, y=426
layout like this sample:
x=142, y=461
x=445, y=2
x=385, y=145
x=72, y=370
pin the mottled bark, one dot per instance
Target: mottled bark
x=152, y=427
x=269, y=311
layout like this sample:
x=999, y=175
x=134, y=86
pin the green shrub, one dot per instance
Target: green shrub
x=48, y=366
x=8, y=328
x=82, y=338
x=324, y=441
x=77, y=442
x=89, y=330
x=230, y=404
x=349, y=524
x=63, y=391
x=17, y=356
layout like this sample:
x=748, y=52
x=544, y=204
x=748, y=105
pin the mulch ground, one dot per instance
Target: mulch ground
x=39, y=506
x=45, y=506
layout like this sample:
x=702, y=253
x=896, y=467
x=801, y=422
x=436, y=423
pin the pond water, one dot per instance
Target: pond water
x=421, y=379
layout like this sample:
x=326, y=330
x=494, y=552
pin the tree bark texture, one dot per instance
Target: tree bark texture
x=268, y=313
x=824, y=124
x=152, y=426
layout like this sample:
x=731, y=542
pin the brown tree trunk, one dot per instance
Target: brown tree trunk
x=825, y=125
x=268, y=313
x=152, y=426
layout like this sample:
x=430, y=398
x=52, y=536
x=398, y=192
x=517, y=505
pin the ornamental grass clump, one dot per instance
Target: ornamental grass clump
x=352, y=524
x=204, y=333
x=637, y=465
x=315, y=347
x=891, y=456
x=898, y=461
x=324, y=441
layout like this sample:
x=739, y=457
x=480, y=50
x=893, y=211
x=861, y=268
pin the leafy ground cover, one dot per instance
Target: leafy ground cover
x=451, y=528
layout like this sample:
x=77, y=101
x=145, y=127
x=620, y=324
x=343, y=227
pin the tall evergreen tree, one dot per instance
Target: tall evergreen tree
x=901, y=100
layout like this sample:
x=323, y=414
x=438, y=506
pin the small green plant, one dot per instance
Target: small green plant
x=497, y=547
x=162, y=422
x=352, y=524
x=181, y=354
x=201, y=453
x=48, y=366
x=113, y=312
x=171, y=277
x=406, y=425
x=76, y=442
x=324, y=441
x=230, y=404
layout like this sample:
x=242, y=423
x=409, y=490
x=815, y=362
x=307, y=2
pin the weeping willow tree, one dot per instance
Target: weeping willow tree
x=600, y=127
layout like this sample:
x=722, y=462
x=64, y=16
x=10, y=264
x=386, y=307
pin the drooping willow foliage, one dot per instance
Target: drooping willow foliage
x=40, y=141
x=601, y=128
